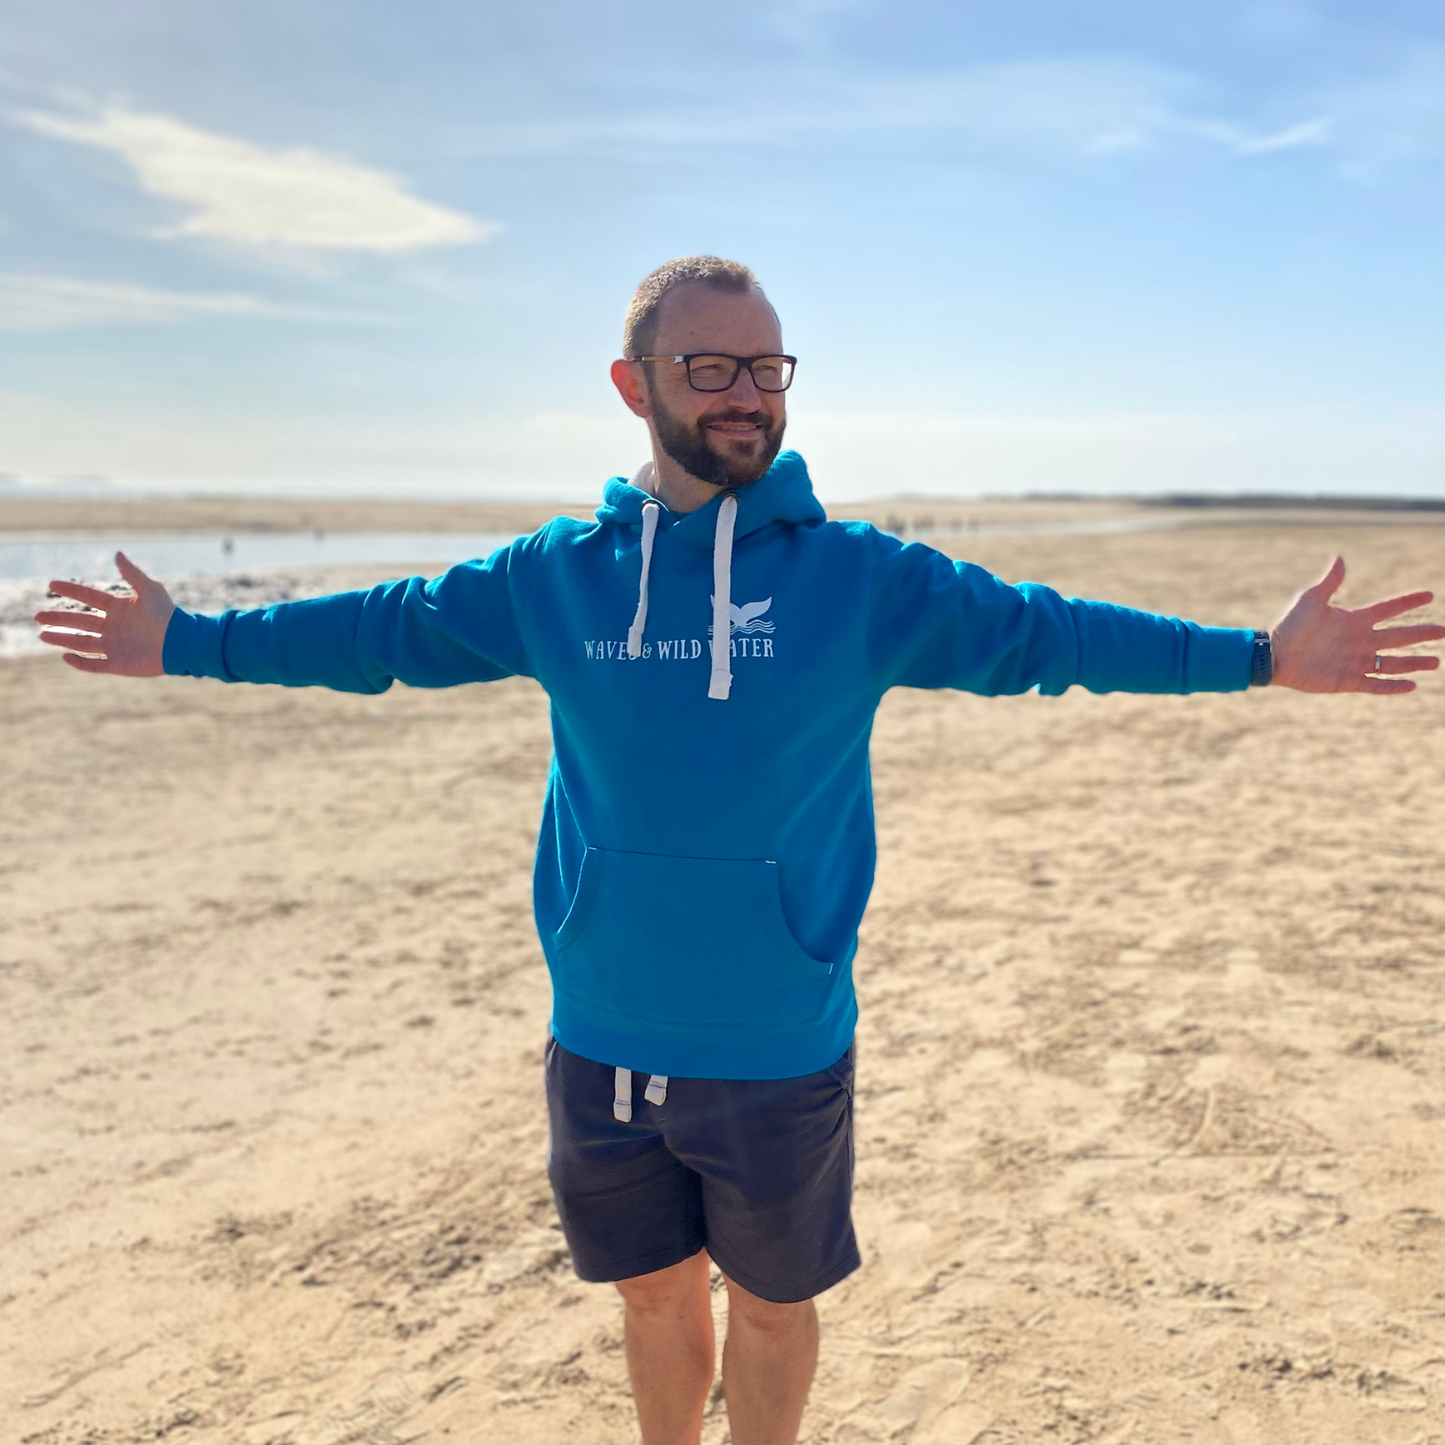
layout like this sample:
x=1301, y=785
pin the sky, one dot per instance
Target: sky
x=339, y=247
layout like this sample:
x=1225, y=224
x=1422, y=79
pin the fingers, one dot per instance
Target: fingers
x=1382, y=685
x=91, y=596
x=82, y=621
x=131, y=572
x=101, y=664
x=1415, y=663
x=1407, y=636
x=1394, y=606
x=77, y=641
x=1329, y=584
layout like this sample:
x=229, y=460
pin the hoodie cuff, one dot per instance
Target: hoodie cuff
x=193, y=646
x=1219, y=659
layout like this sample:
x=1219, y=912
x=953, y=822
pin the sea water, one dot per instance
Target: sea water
x=91, y=558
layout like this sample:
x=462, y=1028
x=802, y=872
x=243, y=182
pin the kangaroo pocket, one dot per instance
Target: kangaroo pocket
x=699, y=941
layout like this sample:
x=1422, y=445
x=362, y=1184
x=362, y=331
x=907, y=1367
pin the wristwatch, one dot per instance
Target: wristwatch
x=1261, y=660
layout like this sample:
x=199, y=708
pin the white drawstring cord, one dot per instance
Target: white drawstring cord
x=722, y=596
x=650, y=514
x=720, y=679
x=655, y=1093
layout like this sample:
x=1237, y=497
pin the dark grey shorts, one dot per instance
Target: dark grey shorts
x=757, y=1171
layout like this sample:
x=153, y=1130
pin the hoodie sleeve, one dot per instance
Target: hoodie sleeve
x=940, y=623
x=459, y=627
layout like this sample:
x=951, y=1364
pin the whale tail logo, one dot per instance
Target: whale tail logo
x=748, y=617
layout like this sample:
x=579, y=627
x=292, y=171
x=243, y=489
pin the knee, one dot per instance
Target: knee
x=671, y=1291
x=766, y=1316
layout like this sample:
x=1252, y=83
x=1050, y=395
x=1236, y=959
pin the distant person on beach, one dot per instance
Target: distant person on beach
x=715, y=650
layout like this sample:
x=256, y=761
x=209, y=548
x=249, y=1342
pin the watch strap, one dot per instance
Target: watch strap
x=1261, y=661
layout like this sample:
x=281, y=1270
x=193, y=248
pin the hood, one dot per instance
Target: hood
x=783, y=493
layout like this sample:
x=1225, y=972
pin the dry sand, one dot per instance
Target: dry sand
x=1149, y=1118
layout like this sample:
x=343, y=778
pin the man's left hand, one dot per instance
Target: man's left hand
x=1321, y=648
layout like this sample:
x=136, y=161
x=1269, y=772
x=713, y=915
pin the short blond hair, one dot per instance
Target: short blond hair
x=640, y=327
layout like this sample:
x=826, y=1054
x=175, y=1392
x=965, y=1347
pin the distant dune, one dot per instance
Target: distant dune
x=103, y=514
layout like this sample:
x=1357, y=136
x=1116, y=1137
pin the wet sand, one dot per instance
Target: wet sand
x=1149, y=1113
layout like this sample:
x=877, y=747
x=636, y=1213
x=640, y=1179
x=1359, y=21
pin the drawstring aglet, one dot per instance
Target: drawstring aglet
x=622, y=1096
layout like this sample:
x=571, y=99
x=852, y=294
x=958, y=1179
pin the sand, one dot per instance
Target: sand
x=1149, y=1116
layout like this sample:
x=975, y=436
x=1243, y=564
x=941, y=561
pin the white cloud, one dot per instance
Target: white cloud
x=1307, y=133
x=1081, y=104
x=248, y=193
x=1315, y=132
x=1095, y=105
x=54, y=303
x=1091, y=106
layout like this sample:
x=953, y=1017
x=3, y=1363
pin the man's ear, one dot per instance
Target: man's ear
x=627, y=378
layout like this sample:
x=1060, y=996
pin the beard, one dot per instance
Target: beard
x=687, y=444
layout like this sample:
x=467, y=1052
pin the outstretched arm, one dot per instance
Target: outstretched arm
x=460, y=627
x=1321, y=648
x=941, y=623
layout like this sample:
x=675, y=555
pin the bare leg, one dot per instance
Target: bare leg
x=768, y=1362
x=667, y=1331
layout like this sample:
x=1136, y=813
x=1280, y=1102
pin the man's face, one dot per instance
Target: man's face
x=727, y=438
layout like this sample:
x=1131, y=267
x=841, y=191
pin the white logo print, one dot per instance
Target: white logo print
x=747, y=618
x=743, y=621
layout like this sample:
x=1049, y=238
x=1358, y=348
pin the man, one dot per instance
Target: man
x=715, y=650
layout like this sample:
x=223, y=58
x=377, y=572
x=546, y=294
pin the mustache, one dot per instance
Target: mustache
x=734, y=413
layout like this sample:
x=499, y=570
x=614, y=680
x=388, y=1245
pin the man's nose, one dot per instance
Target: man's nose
x=743, y=392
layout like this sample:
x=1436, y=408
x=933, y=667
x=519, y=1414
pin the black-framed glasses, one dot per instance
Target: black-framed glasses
x=716, y=371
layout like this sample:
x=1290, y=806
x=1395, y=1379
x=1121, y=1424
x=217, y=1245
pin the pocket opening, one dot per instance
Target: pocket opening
x=686, y=941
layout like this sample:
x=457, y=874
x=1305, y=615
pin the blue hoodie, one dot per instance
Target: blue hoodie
x=707, y=843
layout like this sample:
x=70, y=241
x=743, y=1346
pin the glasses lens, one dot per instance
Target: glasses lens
x=772, y=373
x=712, y=373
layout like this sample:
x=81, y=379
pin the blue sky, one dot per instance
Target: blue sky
x=374, y=248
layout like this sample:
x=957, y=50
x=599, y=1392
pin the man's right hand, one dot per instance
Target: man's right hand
x=122, y=634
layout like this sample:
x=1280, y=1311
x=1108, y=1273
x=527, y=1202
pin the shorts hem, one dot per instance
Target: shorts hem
x=790, y=1296
x=637, y=1265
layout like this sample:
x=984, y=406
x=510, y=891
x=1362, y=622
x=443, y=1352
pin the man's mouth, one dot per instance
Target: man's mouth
x=737, y=428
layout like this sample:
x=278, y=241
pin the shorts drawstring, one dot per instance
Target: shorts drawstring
x=655, y=1093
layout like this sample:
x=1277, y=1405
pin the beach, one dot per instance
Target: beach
x=1149, y=1104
